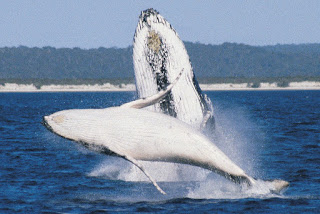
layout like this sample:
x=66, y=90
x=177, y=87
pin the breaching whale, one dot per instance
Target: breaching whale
x=158, y=56
x=137, y=134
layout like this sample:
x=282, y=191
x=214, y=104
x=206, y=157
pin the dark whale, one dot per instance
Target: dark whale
x=158, y=56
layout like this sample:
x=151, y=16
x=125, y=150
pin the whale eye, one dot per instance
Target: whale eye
x=59, y=119
x=154, y=42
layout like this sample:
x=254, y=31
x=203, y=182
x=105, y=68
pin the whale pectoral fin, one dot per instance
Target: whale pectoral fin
x=135, y=162
x=147, y=101
x=121, y=153
x=205, y=120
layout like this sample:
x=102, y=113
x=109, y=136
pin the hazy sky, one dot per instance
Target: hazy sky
x=109, y=23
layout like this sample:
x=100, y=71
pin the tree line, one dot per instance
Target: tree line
x=211, y=63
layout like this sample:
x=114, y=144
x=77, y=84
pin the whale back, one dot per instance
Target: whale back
x=158, y=56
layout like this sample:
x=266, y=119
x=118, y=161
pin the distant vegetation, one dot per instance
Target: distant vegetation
x=40, y=82
x=228, y=62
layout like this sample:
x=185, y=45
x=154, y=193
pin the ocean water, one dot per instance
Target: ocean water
x=270, y=134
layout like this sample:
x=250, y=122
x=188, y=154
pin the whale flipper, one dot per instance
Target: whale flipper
x=135, y=162
x=158, y=55
x=117, y=151
x=205, y=119
x=147, y=101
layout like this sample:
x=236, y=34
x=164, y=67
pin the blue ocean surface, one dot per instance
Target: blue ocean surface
x=270, y=134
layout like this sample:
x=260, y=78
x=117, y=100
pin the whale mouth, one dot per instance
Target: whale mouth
x=46, y=124
x=149, y=16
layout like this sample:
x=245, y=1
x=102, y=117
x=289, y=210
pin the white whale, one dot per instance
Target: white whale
x=158, y=56
x=137, y=134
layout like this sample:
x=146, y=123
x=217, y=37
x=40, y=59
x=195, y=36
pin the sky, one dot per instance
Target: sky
x=111, y=23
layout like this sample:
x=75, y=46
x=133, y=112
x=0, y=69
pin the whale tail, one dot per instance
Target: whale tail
x=277, y=186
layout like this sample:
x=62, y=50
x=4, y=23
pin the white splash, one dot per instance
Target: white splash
x=218, y=188
x=114, y=168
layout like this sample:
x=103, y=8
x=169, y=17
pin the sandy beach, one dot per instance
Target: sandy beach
x=13, y=87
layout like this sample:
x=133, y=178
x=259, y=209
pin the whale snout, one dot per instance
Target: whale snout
x=46, y=122
x=150, y=16
x=58, y=119
x=52, y=120
x=46, y=118
x=147, y=13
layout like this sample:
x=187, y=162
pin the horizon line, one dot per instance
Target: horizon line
x=129, y=46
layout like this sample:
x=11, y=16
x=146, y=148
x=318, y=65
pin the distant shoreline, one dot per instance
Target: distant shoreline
x=107, y=87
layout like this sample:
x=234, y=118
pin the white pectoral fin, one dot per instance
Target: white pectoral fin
x=144, y=102
x=135, y=162
x=123, y=154
x=205, y=119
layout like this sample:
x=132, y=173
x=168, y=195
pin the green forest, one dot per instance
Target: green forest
x=228, y=62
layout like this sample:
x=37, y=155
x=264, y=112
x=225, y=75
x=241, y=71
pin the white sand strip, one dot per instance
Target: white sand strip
x=13, y=87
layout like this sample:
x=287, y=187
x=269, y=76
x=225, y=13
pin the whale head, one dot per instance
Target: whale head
x=74, y=124
x=147, y=15
x=59, y=123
